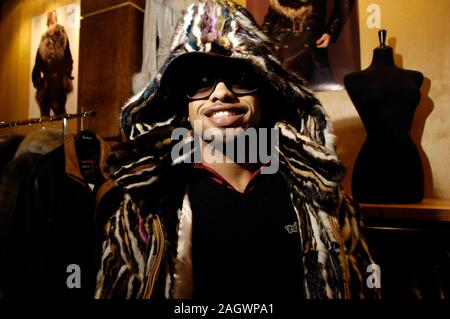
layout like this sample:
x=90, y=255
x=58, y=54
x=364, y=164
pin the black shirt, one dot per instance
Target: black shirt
x=244, y=245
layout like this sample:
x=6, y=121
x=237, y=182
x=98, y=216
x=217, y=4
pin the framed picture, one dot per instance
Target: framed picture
x=53, y=85
x=317, y=39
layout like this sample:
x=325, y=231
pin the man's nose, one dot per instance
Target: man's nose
x=222, y=93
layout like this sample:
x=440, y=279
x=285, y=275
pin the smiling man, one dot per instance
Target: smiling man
x=213, y=230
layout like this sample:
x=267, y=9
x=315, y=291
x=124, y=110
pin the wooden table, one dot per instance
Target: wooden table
x=432, y=210
x=411, y=244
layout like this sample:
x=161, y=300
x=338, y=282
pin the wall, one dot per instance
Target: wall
x=418, y=32
x=110, y=53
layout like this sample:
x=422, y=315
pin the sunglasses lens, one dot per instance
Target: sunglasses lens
x=240, y=82
x=201, y=87
x=243, y=83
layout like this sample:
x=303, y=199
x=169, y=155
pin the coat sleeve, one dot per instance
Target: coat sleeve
x=341, y=11
x=36, y=74
x=68, y=60
x=123, y=258
x=269, y=21
x=357, y=256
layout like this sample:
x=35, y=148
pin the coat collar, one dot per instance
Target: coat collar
x=72, y=165
x=301, y=13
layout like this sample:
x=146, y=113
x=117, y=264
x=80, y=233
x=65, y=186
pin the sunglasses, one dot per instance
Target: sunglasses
x=239, y=82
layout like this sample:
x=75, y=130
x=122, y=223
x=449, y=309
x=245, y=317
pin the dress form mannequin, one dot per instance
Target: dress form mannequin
x=388, y=168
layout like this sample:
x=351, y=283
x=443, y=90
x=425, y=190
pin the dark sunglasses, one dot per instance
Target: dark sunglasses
x=238, y=82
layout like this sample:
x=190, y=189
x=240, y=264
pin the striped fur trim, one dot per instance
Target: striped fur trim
x=295, y=14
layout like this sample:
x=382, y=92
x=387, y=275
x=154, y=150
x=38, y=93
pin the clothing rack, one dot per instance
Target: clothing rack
x=41, y=120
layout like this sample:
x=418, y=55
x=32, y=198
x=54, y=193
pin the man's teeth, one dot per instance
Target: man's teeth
x=223, y=114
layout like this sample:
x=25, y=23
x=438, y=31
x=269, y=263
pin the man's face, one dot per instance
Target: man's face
x=52, y=21
x=226, y=109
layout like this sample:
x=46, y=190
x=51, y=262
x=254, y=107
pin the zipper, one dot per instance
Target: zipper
x=156, y=263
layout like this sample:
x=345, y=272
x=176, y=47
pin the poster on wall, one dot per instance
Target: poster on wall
x=317, y=39
x=53, y=85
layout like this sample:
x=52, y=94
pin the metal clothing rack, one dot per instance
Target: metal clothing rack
x=40, y=120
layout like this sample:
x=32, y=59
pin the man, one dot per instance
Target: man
x=302, y=33
x=52, y=72
x=222, y=230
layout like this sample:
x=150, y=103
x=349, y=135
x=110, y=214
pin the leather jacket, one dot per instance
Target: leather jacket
x=54, y=226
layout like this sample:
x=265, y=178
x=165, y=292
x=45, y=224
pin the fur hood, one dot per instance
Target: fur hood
x=53, y=44
x=300, y=12
x=225, y=28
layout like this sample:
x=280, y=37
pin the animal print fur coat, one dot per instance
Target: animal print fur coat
x=147, y=248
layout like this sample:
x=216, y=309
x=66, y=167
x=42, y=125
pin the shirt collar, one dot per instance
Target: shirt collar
x=216, y=177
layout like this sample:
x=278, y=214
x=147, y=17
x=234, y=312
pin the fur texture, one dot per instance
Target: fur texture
x=334, y=253
x=53, y=46
x=40, y=142
x=300, y=14
x=52, y=72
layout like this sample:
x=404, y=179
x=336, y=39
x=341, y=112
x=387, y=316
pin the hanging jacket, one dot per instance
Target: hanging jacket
x=53, y=233
x=160, y=20
x=148, y=250
x=34, y=146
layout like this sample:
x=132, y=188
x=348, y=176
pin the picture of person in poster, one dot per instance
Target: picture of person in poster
x=52, y=71
x=302, y=33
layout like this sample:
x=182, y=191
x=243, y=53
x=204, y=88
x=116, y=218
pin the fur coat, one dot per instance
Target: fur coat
x=147, y=248
x=53, y=64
